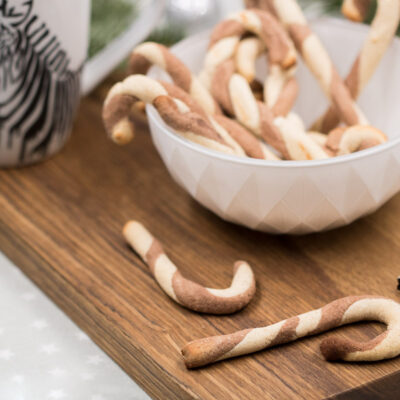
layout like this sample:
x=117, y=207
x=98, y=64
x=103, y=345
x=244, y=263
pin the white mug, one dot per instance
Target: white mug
x=43, y=46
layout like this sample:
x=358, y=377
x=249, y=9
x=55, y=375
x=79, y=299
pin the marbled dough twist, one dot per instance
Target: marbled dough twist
x=337, y=313
x=185, y=292
x=282, y=133
x=346, y=140
x=341, y=94
x=234, y=94
x=173, y=105
x=226, y=44
x=383, y=28
x=242, y=142
x=318, y=61
x=147, y=54
x=280, y=86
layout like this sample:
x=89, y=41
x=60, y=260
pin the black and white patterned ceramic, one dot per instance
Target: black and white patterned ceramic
x=43, y=46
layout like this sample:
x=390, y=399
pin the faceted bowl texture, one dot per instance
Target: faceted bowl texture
x=295, y=197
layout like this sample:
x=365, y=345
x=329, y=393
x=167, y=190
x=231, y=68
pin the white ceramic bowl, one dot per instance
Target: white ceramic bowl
x=295, y=196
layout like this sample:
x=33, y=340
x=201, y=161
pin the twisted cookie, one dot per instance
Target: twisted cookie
x=299, y=144
x=280, y=86
x=247, y=51
x=338, y=313
x=284, y=134
x=251, y=145
x=317, y=59
x=346, y=140
x=147, y=54
x=234, y=93
x=225, y=43
x=187, y=293
x=185, y=117
x=238, y=138
x=383, y=28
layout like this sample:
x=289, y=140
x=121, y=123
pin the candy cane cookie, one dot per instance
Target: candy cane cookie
x=147, y=54
x=280, y=86
x=286, y=135
x=382, y=30
x=177, y=114
x=318, y=61
x=299, y=144
x=225, y=43
x=182, y=113
x=236, y=141
x=237, y=137
x=247, y=51
x=262, y=24
x=234, y=94
x=185, y=292
x=346, y=140
x=251, y=145
x=337, y=313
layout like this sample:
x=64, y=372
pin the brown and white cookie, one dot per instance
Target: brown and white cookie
x=227, y=44
x=284, y=134
x=337, y=313
x=346, y=140
x=318, y=61
x=280, y=87
x=381, y=32
x=185, y=292
x=147, y=54
x=182, y=117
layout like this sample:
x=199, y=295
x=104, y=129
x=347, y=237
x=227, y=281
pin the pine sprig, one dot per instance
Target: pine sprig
x=327, y=6
x=108, y=20
x=167, y=35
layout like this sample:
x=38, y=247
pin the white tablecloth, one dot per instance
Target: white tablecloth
x=45, y=356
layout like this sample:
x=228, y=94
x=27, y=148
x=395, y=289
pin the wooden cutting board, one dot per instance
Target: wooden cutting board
x=61, y=222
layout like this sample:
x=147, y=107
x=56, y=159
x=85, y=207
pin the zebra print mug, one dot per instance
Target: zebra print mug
x=43, y=47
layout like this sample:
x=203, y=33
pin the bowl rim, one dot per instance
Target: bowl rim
x=153, y=115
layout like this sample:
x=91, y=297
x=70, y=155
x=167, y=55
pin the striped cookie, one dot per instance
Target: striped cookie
x=182, y=117
x=318, y=61
x=346, y=140
x=338, y=313
x=383, y=28
x=185, y=292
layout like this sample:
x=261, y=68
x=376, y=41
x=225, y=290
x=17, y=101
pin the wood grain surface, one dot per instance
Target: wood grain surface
x=61, y=222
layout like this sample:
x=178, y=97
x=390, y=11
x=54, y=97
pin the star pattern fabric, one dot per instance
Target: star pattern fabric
x=45, y=356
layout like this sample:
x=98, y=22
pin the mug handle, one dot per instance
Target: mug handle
x=99, y=66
